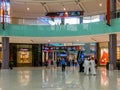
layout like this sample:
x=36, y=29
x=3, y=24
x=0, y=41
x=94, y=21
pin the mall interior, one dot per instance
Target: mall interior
x=35, y=31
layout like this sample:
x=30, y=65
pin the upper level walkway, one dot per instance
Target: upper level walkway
x=32, y=78
x=77, y=30
x=95, y=28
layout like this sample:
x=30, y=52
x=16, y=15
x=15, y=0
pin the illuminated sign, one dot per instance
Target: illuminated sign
x=65, y=14
x=104, y=56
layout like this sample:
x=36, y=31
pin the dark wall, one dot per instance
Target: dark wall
x=13, y=53
x=37, y=55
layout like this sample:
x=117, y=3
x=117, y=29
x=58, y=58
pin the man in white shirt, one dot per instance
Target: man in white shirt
x=86, y=66
x=92, y=66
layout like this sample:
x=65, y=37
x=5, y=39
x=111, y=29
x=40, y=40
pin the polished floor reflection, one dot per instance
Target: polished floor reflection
x=30, y=78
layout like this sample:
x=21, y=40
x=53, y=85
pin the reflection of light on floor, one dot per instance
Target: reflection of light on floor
x=43, y=75
x=104, y=79
x=24, y=77
x=0, y=88
x=47, y=79
x=118, y=82
x=59, y=88
x=68, y=82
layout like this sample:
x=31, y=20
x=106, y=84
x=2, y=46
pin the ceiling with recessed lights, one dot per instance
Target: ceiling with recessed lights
x=39, y=8
x=72, y=39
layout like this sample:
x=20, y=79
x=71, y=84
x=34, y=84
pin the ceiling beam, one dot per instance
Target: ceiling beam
x=81, y=5
x=45, y=7
x=47, y=1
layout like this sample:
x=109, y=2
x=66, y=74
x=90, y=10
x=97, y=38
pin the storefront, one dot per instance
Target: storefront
x=26, y=55
x=37, y=54
x=51, y=52
x=104, y=53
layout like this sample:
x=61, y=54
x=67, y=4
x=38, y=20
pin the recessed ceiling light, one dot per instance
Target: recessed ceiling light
x=100, y=4
x=77, y=40
x=66, y=13
x=64, y=9
x=28, y=9
x=48, y=40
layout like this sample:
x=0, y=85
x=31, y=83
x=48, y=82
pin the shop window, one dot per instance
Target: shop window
x=24, y=54
x=24, y=57
x=71, y=20
x=104, y=56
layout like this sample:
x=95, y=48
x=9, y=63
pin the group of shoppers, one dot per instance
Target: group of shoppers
x=89, y=66
x=61, y=62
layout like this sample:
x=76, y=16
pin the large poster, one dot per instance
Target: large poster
x=5, y=7
x=24, y=57
x=104, y=56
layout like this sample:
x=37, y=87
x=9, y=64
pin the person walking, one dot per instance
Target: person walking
x=81, y=67
x=63, y=62
x=86, y=65
x=92, y=66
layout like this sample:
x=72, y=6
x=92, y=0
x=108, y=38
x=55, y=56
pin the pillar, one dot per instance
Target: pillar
x=5, y=52
x=53, y=56
x=112, y=38
x=112, y=50
x=43, y=57
x=97, y=52
x=47, y=56
x=112, y=9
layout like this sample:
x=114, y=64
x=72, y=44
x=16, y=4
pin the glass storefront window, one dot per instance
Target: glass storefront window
x=95, y=18
x=86, y=20
x=72, y=20
x=89, y=19
x=24, y=54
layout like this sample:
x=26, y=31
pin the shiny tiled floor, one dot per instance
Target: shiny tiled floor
x=30, y=78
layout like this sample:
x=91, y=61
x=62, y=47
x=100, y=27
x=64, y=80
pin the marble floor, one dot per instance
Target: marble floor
x=37, y=78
